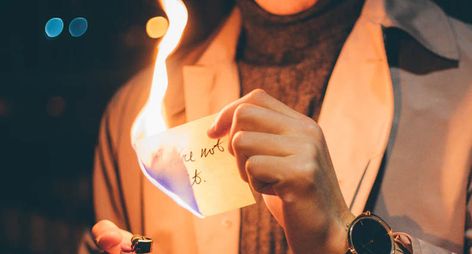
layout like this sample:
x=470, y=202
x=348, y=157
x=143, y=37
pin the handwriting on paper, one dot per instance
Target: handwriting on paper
x=204, y=153
x=196, y=179
x=196, y=171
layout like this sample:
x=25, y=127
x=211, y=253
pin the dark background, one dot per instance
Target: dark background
x=52, y=94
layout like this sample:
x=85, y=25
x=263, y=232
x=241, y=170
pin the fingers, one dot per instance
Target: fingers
x=265, y=173
x=283, y=176
x=274, y=146
x=110, y=238
x=249, y=117
x=257, y=97
x=107, y=235
x=247, y=144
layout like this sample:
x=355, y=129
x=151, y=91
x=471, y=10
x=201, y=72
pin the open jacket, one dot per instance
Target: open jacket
x=417, y=120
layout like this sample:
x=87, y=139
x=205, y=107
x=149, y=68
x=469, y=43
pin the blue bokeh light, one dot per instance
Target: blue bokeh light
x=78, y=26
x=54, y=27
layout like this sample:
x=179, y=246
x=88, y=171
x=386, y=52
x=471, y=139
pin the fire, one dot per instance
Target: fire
x=151, y=120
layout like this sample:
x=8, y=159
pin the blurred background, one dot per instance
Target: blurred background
x=53, y=90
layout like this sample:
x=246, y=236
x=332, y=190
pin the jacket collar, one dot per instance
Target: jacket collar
x=421, y=19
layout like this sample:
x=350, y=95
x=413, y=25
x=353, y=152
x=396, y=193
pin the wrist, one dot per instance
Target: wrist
x=339, y=242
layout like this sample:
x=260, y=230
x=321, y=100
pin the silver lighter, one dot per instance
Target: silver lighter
x=141, y=244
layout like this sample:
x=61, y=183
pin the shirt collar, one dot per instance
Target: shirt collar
x=421, y=19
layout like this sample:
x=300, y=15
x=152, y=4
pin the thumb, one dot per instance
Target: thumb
x=110, y=238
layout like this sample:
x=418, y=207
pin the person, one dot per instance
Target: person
x=332, y=108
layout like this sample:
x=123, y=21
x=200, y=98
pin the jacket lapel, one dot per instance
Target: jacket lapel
x=210, y=84
x=198, y=81
x=357, y=112
x=213, y=81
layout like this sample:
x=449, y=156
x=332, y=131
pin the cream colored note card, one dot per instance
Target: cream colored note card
x=194, y=170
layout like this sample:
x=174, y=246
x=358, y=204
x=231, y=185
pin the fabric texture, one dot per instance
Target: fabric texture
x=291, y=58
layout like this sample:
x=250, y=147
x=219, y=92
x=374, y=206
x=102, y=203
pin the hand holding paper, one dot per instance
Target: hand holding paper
x=196, y=171
x=283, y=155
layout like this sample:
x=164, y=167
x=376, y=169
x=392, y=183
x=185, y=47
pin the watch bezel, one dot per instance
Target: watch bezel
x=370, y=216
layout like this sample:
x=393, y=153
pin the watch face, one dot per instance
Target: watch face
x=369, y=236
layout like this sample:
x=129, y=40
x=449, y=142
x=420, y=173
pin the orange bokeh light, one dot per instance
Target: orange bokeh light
x=156, y=27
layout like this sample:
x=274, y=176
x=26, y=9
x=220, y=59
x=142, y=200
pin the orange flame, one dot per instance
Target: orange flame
x=151, y=120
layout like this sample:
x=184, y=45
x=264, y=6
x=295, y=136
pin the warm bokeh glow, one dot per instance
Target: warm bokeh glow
x=156, y=27
x=151, y=120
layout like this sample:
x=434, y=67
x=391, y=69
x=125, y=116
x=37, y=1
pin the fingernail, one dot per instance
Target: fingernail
x=126, y=247
x=212, y=127
x=211, y=130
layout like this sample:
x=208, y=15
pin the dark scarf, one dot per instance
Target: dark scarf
x=291, y=57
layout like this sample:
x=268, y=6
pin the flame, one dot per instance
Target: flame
x=151, y=120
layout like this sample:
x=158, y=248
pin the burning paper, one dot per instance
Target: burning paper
x=195, y=171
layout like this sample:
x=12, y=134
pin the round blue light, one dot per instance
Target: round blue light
x=54, y=27
x=78, y=26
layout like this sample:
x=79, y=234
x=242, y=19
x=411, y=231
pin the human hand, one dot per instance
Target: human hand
x=283, y=154
x=110, y=238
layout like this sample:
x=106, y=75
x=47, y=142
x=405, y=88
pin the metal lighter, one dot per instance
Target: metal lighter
x=141, y=244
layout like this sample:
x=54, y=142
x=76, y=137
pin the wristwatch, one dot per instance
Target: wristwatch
x=369, y=234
